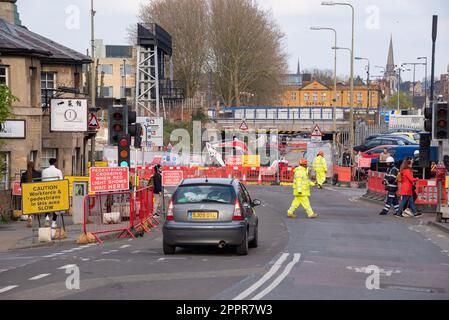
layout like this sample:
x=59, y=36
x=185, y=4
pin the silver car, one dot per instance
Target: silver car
x=218, y=212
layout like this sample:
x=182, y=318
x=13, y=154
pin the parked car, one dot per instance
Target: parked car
x=385, y=140
x=375, y=152
x=412, y=135
x=399, y=153
x=395, y=130
x=218, y=212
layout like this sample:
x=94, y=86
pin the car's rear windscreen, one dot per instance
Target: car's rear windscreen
x=204, y=194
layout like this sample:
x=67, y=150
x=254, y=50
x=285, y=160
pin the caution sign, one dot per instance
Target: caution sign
x=43, y=197
x=317, y=134
x=250, y=161
x=172, y=178
x=93, y=123
x=243, y=126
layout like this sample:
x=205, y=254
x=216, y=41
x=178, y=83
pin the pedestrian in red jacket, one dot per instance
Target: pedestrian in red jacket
x=407, y=186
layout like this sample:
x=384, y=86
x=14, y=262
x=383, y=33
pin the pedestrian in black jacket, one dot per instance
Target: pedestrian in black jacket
x=391, y=185
x=157, y=188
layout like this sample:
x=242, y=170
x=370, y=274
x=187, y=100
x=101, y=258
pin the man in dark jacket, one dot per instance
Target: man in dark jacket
x=391, y=185
x=157, y=188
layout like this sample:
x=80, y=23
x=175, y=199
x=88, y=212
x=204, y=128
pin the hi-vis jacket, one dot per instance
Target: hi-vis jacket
x=319, y=164
x=301, y=182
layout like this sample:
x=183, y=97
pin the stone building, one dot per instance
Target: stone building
x=36, y=69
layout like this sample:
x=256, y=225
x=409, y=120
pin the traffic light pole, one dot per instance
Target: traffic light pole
x=93, y=85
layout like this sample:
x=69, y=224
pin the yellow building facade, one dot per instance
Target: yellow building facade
x=316, y=94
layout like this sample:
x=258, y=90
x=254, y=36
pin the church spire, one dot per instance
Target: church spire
x=390, y=59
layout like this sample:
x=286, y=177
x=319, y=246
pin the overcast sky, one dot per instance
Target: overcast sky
x=409, y=21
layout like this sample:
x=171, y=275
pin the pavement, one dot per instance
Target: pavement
x=339, y=255
x=16, y=235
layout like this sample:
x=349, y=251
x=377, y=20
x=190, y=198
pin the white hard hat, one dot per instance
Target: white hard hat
x=390, y=160
x=416, y=152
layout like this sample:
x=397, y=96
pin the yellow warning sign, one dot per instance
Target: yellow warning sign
x=42, y=197
x=251, y=161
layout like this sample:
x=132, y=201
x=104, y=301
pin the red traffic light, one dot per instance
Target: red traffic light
x=117, y=116
x=123, y=143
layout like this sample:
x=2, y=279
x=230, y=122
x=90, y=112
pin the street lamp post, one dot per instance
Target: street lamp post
x=334, y=100
x=351, y=100
x=425, y=79
x=367, y=82
x=414, y=64
x=400, y=69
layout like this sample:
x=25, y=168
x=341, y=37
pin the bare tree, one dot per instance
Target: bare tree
x=186, y=21
x=247, y=53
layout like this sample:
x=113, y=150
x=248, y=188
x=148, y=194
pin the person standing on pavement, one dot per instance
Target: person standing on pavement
x=51, y=174
x=320, y=168
x=407, y=186
x=301, y=191
x=346, y=158
x=391, y=185
x=31, y=174
x=157, y=188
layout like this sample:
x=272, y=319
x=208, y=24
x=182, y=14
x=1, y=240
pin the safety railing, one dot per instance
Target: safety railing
x=119, y=213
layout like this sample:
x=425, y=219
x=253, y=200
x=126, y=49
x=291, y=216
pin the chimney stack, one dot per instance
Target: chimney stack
x=8, y=11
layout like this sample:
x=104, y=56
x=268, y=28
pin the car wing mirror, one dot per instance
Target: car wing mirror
x=256, y=202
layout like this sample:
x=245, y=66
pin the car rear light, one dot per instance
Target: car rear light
x=170, y=216
x=237, y=212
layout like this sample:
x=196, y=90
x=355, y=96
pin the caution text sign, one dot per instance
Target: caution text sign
x=109, y=179
x=42, y=197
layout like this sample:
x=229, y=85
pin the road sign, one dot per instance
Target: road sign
x=43, y=197
x=251, y=161
x=68, y=115
x=364, y=163
x=93, y=123
x=108, y=179
x=153, y=131
x=172, y=178
x=16, y=188
x=243, y=126
x=317, y=134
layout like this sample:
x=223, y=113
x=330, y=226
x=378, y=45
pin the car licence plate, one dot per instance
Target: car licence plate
x=204, y=215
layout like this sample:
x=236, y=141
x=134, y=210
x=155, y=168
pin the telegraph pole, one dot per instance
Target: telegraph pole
x=93, y=83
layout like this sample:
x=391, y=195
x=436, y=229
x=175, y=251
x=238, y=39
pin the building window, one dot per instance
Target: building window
x=315, y=96
x=293, y=96
x=129, y=69
x=323, y=97
x=106, y=92
x=106, y=68
x=47, y=154
x=4, y=76
x=126, y=92
x=48, y=82
x=359, y=97
x=306, y=96
x=5, y=170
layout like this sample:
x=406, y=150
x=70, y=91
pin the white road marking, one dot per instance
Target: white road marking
x=264, y=279
x=85, y=259
x=67, y=266
x=279, y=279
x=441, y=236
x=40, y=276
x=445, y=264
x=134, y=252
x=7, y=289
x=306, y=261
x=125, y=246
x=164, y=259
x=107, y=260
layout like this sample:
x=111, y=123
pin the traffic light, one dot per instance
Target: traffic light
x=138, y=130
x=428, y=120
x=118, y=123
x=124, y=150
x=424, y=149
x=441, y=123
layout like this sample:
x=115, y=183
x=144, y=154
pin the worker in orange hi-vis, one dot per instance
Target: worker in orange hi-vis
x=301, y=191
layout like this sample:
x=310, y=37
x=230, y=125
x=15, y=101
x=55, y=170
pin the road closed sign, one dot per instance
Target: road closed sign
x=172, y=178
x=43, y=197
x=109, y=179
